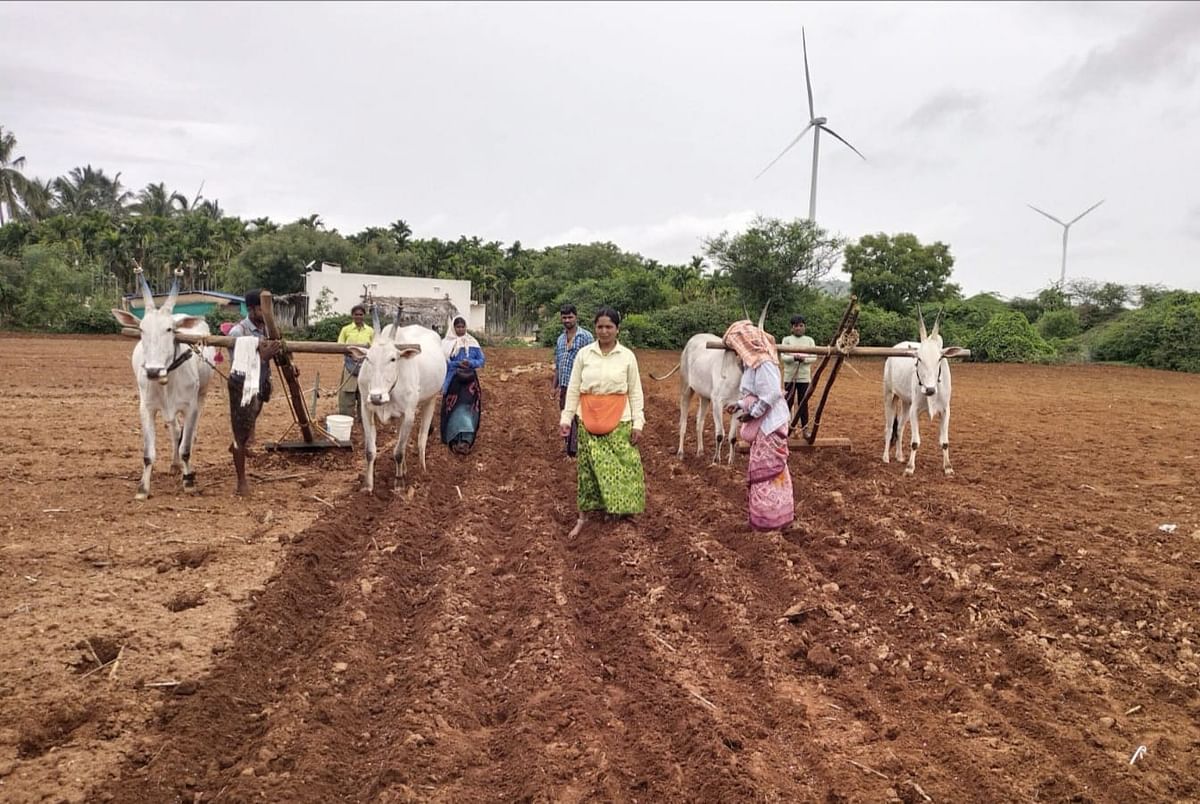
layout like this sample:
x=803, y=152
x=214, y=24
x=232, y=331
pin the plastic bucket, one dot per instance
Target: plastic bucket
x=339, y=426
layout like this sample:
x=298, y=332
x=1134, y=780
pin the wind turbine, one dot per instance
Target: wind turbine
x=1062, y=278
x=817, y=124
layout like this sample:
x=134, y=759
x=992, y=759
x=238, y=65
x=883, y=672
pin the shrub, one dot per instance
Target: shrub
x=327, y=329
x=1009, y=338
x=219, y=315
x=879, y=327
x=640, y=331
x=90, y=321
x=681, y=322
x=1059, y=324
x=1165, y=334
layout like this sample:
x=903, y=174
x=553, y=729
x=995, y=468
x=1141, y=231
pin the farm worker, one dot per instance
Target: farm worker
x=570, y=341
x=461, y=398
x=764, y=412
x=605, y=390
x=797, y=373
x=243, y=413
x=356, y=333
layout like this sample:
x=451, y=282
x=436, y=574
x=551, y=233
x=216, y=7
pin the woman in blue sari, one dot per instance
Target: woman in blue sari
x=461, y=399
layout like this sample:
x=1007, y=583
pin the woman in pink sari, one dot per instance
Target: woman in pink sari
x=764, y=413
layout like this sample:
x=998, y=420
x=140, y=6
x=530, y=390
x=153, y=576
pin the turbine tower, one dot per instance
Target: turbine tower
x=1062, y=278
x=817, y=124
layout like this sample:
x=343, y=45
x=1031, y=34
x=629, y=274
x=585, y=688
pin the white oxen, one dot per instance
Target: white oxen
x=399, y=383
x=911, y=385
x=714, y=375
x=171, y=378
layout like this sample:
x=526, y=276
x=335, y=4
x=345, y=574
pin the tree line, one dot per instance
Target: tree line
x=68, y=247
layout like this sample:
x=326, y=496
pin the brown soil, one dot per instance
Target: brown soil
x=1013, y=632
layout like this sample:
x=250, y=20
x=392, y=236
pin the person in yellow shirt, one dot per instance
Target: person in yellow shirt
x=356, y=333
x=605, y=390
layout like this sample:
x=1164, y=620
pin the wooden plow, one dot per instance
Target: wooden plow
x=313, y=437
x=843, y=344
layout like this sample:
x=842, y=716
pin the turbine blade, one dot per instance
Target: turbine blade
x=828, y=130
x=785, y=150
x=1047, y=214
x=1086, y=211
x=807, y=81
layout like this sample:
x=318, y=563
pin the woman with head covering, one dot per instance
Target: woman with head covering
x=605, y=389
x=764, y=413
x=461, y=398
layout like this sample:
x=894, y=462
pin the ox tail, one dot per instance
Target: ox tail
x=668, y=374
x=895, y=429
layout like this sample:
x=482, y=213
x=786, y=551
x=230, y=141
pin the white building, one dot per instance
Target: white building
x=343, y=291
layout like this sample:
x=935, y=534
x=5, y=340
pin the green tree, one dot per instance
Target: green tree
x=12, y=181
x=774, y=259
x=156, y=200
x=896, y=272
x=276, y=261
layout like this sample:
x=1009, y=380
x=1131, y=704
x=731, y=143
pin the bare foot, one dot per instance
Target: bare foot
x=578, y=527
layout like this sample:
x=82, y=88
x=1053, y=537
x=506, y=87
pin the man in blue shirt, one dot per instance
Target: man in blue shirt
x=572, y=339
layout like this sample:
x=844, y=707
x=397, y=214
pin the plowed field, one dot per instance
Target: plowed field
x=1014, y=632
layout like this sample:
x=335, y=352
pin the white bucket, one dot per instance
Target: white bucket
x=339, y=426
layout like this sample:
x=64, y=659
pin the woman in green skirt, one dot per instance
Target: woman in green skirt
x=605, y=391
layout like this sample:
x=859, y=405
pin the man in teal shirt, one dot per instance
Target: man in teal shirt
x=796, y=371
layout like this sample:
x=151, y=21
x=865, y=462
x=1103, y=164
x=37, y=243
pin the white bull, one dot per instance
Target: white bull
x=170, y=379
x=399, y=383
x=714, y=375
x=911, y=385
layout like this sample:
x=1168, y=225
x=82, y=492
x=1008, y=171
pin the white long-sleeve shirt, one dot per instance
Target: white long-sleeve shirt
x=764, y=382
x=614, y=373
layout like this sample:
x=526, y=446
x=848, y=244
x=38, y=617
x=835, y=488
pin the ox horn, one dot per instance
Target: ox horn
x=375, y=318
x=746, y=310
x=921, y=323
x=937, y=322
x=762, y=319
x=147, y=295
x=170, y=305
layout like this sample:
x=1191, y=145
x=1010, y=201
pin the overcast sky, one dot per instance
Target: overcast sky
x=645, y=124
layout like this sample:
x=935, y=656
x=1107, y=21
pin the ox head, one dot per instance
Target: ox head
x=930, y=364
x=158, y=326
x=381, y=362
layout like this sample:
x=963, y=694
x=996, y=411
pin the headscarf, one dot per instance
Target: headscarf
x=753, y=345
x=451, y=344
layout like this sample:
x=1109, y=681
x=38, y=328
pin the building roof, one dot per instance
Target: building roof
x=229, y=297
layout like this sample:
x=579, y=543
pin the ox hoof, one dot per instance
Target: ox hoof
x=141, y=495
x=908, y=470
x=949, y=471
x=243, y=489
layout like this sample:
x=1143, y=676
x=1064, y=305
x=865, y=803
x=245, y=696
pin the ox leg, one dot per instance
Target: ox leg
x=685, y=402
x=914, y=418
x=889, y=425
x=901, y=422
x=143, y=490
x=426, y=426
x=944, y=440
x=407, y=421
x=176, y=437
x=190, y=423
x=369, y=433
x=702, y=405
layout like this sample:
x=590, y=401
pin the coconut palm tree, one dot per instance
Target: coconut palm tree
x=155, y=200
x=12, y=181
x=88, y=188
x=401, y=233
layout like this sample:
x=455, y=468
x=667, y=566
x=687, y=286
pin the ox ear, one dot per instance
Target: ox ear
x=126, y=318
x=187, y=321
x=357, y=352
x=953, y=351
x=408, y=351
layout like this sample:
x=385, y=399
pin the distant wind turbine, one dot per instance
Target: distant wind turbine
x=1062, y=278
x=817, y=124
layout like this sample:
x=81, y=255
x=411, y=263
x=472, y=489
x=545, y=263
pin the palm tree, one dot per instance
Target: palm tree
x=12, y=181
x=401, y=233
x=88, y=188
x=155, y=200
x=264, y=226
x=37, y=198
x=210, y=209
x=312, y=221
